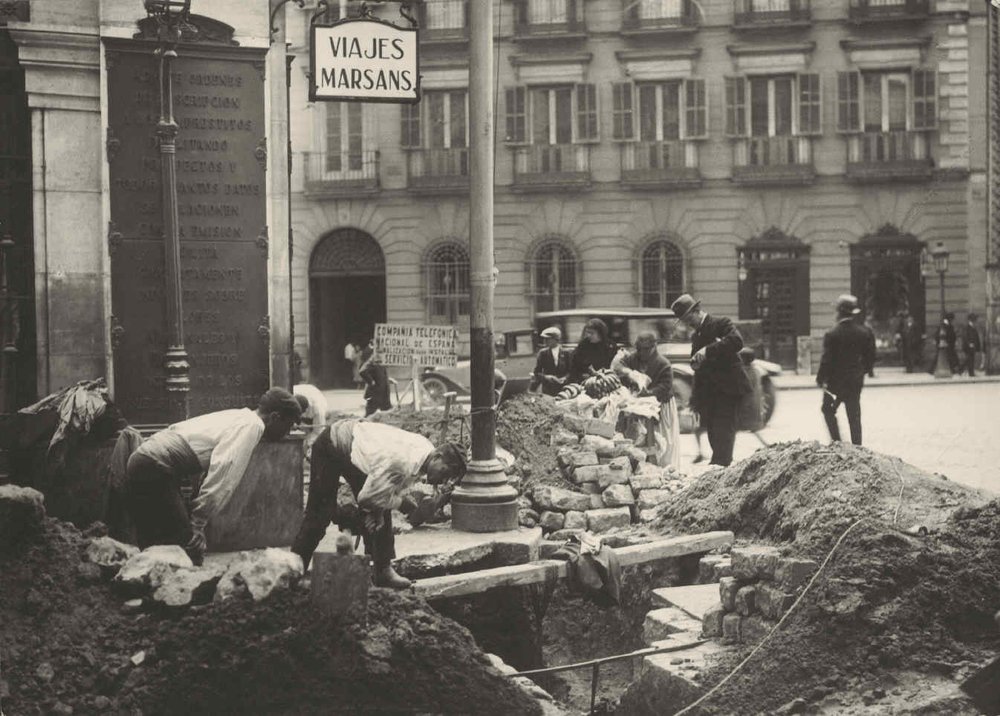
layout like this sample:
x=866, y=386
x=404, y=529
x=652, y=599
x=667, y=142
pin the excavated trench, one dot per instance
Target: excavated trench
x=544, y=625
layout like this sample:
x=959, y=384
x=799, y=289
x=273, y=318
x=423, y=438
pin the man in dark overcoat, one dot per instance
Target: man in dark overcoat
x=971, y=344
x=719, y=380
x=848, y=354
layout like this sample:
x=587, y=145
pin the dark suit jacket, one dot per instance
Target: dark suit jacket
x=970, y=339
x=546, y=366
x=721, y=373
x=660, y=374
x=848, y=353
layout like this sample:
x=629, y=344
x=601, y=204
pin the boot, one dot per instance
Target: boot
x=387, y=577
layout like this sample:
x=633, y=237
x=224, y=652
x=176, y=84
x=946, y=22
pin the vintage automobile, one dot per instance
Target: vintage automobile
x=516, y=351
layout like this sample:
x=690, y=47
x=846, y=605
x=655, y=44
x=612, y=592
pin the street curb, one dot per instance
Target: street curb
x=892, y=383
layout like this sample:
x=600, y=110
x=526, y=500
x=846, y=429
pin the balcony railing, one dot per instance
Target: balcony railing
x=554, y=166
x=773, y=160
x=438, y=170
x=877, y=10
x=653, y=16
x=547, y=19
x=880, y=156
x=341, y=173
x=748, y=14
x=660, y=164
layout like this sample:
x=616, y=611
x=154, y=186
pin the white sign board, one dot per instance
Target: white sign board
x=402, y=344
x=364, y=59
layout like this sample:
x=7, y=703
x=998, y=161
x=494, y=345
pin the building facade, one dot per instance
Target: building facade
x=765, y=156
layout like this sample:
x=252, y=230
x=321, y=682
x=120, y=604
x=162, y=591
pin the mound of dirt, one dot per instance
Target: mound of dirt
x=808, y=494
x=897, y=613
x=67, y=646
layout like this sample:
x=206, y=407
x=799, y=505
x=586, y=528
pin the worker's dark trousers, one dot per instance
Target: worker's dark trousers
x=155, y=503
x=326, y=468
x=718, y=419
x=852, y=405
x=969, y=364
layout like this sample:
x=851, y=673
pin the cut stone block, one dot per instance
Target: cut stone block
x=793, y=573
x=613, y=475
x=648, y=515
x=757, y=562
x=603, y=428
x=706, y=568
x=575, y=520
x=745, y=600
x=724, y=569
x=728, y=586
x=661, y=623
x=589, y=473
x=652, y=498
x=187, y=587
x=109, y=554
x=259, y=573
x=562, y=436
x=618, y=495
x=621, y=463
x=146, y=571
x=582, y=458
x=596, y=501
x=711, y=622
x=670, y=678
x=527, y=518
x=608, y=518
x=551, y=498
x=637, y=456
x=552, y=521
x=772, y=602
x=591, y=488
x=694, y=599
x=574, y=423
x=645, y=482
x=604, y=447
x=563, y=535
x=731, y=628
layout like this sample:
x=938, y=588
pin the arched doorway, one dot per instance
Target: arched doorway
x=886, y=278
x=774, y=288
x=346, y=300
x=18, y=359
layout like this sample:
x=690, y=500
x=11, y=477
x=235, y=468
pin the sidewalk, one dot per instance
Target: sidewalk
x=884, y=377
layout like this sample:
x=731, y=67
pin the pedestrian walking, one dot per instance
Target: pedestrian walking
x=719, y=380
x=376, y=379
x=350, y=354
x=971, y=345
x=595, y=351
x=947, y=338
x=913, y=345
x=553, y=363
x=848, y=354
x=380, y=463
x=221, y=444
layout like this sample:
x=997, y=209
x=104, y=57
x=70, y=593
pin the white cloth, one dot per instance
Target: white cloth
x=223, y=443
x=555, y=354
x=349, y=352
x=318, y=407
x=391, y=458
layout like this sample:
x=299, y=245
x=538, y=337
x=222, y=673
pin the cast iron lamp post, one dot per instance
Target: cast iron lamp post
x=942, y=366
x=171, y=16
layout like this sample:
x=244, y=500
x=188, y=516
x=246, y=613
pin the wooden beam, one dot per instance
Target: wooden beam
x=520, y=575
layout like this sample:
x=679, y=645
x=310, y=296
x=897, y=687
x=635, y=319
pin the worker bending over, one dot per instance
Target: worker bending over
x=218, y=444
x=380, y=464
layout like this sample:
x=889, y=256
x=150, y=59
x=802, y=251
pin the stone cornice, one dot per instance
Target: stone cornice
x=744, y=49
x=61, y=68
x=887, y=44
x=640, y=55
x=580, y=58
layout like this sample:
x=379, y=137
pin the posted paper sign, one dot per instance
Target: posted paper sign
x=401, y=344
x=365, y=60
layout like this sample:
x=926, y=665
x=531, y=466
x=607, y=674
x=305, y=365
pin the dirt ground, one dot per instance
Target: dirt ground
x=899, y=616
x=66, y=645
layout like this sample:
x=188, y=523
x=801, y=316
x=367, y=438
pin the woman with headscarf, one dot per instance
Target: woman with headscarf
x=594, y=351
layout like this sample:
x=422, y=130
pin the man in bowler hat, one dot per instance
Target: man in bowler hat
x=848, y=354
x=719, y=380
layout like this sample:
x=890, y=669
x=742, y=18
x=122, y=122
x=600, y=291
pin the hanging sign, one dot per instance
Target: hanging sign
x=364, y=60
x=403, y=344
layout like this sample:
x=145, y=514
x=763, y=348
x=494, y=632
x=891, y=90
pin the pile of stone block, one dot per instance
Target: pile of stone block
x=615, y=484
x=762, y=586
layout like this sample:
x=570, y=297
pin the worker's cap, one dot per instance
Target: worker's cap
x=552, y=332
x=279, y=400
x=847, y=305
x=454, y=458
x=684, y=304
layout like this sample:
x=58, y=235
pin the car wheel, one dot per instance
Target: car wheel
x=769, y=397
x=434, y=390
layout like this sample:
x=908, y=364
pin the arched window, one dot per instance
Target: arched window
x=553, y=276
x=661, y=274
x=446, y=276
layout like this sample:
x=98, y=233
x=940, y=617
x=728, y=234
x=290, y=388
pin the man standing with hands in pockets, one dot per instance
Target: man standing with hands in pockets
x=848, y=353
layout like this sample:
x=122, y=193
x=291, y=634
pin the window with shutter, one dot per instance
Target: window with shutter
x=622, y=111
x=924, y=99
x=736, y=107
x=586, y=113
x=695, y=109
x=410, y=126
x=516, y=115
x=809, y=104
x=848, y=102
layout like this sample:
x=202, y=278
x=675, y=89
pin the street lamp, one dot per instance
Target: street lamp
x=942, y=366
x=171, y=18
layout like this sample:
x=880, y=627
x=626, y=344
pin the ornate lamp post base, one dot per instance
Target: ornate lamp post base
x=484, y=502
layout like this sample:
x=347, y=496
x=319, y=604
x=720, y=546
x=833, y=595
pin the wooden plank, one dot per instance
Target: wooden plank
x=520, y=575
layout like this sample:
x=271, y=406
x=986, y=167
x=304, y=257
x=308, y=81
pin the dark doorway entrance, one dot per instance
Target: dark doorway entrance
x=18, y=359
x=346, y=300
x=886, y=278
x=774, y=287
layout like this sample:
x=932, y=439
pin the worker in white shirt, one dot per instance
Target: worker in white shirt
x=380, y=464
x=218, y=444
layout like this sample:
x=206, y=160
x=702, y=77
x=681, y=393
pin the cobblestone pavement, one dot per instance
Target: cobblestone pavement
x=950, y=429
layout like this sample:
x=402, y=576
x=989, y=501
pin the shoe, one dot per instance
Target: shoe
x=387, y=577
x=700, y=458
